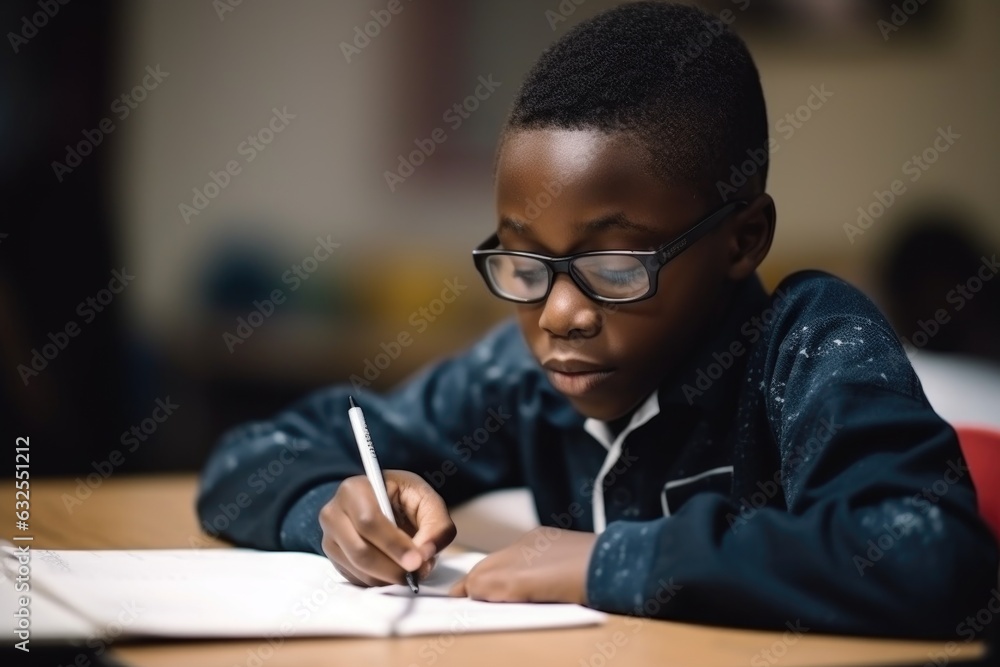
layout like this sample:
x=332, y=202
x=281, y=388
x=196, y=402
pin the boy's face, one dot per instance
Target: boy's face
x=606, y=358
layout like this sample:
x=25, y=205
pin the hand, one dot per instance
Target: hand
x=545, y=565
x=367, y=548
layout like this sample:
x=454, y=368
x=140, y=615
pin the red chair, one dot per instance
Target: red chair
x=981, y=448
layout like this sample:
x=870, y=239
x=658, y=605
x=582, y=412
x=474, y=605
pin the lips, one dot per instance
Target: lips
x=576, y=377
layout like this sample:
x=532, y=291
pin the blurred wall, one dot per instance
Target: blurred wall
x=247, y=155
x=325, y=172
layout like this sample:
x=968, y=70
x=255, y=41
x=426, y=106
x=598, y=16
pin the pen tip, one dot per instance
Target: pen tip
x=351, y=399
x=412, y=581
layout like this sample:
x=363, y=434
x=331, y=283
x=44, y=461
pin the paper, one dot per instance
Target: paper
x=201, y=593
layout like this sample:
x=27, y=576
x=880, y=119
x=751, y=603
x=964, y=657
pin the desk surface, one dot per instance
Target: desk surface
x=158, y=512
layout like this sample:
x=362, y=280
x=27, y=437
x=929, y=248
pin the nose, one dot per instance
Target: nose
x=569, y=313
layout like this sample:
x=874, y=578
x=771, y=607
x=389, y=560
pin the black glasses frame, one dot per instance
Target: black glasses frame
x=652, y=260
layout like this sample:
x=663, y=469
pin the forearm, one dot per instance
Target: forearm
x=259, y=472
x=779, y=568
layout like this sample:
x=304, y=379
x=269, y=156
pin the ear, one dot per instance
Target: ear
x=750, y=234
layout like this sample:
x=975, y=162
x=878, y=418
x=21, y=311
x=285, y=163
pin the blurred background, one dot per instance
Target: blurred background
x=214, y=207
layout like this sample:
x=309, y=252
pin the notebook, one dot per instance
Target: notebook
x=219, y=593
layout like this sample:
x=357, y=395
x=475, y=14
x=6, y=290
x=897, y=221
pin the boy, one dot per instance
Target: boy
x=767, y=459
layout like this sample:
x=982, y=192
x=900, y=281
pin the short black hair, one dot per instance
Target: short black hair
x=674, y=76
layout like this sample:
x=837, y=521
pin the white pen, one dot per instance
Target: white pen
x=373, y=470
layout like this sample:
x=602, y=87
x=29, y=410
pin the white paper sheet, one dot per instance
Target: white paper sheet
x=246, y=593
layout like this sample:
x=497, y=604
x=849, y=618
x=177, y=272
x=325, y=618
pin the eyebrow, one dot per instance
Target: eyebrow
x=511, y=225
x=614, y=221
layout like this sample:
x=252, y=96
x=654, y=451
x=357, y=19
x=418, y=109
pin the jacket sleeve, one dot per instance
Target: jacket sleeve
x=265, y=482
x=879, y=532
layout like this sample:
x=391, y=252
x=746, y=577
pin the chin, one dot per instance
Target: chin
x=600, y=409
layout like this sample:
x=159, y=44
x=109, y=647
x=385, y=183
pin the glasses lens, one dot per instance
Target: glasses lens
x=612, y=276
x=521, y=278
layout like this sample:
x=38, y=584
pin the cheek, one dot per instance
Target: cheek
x=527, y=319
x=646, y=335
x=689, y=286
x=661, y=328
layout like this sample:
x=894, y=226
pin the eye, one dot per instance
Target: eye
x=613, y=276
x=531, y=275
x=622, y=277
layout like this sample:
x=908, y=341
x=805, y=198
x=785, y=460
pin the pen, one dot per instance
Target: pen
x=373, y=470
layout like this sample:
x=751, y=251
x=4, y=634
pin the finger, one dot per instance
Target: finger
x=339, y=561
x=343, y=564
x=350, y=550
x=378, y=530
x=426, y=569
x=333, y=522
x=488, y=581
x=369, y=558
x=458, y=589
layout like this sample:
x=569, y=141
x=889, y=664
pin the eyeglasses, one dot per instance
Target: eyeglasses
x=607, y=276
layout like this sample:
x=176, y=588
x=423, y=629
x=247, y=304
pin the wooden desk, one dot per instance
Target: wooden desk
x=158, y=512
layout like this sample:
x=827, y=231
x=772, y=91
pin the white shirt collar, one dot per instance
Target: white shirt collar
x=602, y=432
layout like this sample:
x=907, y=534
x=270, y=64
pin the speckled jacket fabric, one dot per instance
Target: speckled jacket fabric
x=791, y=472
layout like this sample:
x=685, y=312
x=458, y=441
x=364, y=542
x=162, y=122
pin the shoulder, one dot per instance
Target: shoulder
x=819, y=294
x=826, y=330
x=817, y=302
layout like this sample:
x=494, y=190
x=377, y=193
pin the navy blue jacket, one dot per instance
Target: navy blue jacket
x=791, y=472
